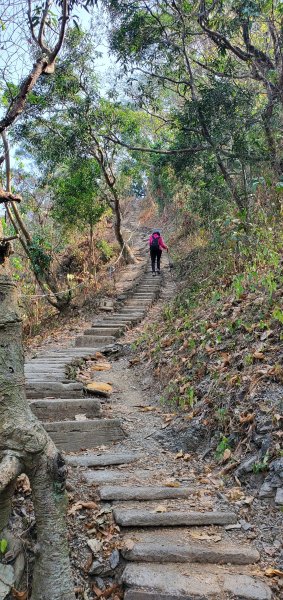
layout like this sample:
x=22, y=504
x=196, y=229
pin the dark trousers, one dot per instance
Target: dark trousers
x=155, y=255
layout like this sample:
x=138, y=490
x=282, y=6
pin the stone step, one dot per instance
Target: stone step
x=102, y=331
x=44, y=368
x=117, y=492
x=144, y=295
x=53, y=410
x=145, y=518
x=191, y=582
x=93, y=340
x=178, y=551
x=132, y=313
x=49, y=389
x=112, y=475
x=73, y=436
x=92, y=459
x=138, y=302
x=105, y=325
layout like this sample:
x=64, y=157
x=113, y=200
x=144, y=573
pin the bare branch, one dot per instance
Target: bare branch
x=192, y=150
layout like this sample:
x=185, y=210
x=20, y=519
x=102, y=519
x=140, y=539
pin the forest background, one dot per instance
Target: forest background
x=189, y=122
x=188, y=113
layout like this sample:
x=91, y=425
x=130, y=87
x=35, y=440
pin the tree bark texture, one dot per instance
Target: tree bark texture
x=26, y=447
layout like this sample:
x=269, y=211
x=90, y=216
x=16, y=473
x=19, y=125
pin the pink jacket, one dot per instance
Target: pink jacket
x=160, y=241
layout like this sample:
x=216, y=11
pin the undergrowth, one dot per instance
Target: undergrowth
x=217, y=345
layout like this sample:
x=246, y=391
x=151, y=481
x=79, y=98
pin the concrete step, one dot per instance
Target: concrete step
x=191, y=582
x=105, y=325
x=163, y=550
x=118, y=492
x=49, y=389
x=145, y=518
x=112, y=475
x=53, y=410
x=104, y=331
x=92, y=341
x=73, y=436
x=92, y=459
x=137, y=303
x=44, y=368
x=132, y=312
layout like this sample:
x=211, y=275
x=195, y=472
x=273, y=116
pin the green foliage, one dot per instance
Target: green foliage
x=258, y=467
x=106, y=249
x=40, y=254
x=221, y=447
x=76, y=193
x=3, y=545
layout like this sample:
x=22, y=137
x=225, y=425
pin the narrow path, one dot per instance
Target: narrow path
x=180, y=539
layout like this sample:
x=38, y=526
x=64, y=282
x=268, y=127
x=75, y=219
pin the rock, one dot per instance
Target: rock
x=102, y=567
x=244, y=525
x=97, y=568
x=114, y=559
x=195, y=437
x=279, y=496
x=7, y=579
x=247, y=466
x=266, y=444
x=100, y=583
x=276, y=467
x=266, y=490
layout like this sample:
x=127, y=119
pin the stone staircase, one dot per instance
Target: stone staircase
x=180, y=541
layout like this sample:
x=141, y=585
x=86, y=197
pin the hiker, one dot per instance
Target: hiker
x=156, y=244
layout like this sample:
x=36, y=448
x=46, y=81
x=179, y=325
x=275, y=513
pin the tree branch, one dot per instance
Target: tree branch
x=192, y=150
x=10, y=469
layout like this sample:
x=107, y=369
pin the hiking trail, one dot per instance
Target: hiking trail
x=180, y=539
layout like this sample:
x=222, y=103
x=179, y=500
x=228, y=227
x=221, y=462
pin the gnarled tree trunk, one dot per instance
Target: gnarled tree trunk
x=25, y=447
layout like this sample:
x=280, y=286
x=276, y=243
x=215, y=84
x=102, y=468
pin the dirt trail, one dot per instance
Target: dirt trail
x=160, y=529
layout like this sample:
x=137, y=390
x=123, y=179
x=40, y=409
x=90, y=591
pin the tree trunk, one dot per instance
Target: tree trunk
x=26, y=447
x=127, y=253
x=44, y=278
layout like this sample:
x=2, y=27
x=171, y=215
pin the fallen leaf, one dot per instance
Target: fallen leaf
x=270, y=572
x=259, y=355
x=23, y=483
x=160, y=509
x=129, y=544
x=80, y=417
x=226, y=455
x=248, y=499
x=99, y=388
x=172, y=484
x=102, y=366
x=95, y=545
x=179, y=454
x=235, y=494
x=80, y=505
x=206, y=536
x=266, y=334
x=246, y=418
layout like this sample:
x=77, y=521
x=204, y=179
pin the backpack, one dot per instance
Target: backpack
x=155, y=240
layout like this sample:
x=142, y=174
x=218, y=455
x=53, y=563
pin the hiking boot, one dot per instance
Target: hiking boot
x=158, y=273
x=153, y=273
